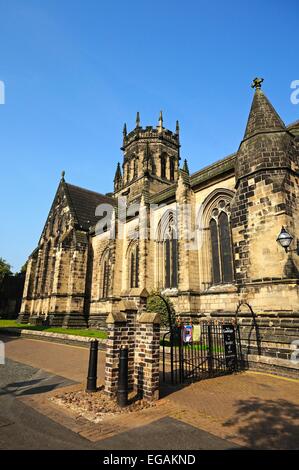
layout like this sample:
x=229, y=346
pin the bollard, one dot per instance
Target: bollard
x=122, y=391
x=92, y=367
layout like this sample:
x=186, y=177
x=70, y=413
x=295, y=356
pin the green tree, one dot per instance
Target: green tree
x=5, y=268
x=162, y=305
x=24, y=267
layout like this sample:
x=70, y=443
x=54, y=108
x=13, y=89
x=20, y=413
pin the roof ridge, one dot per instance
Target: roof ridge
x=70, y=200
x=88, y=190
x=228, y=157
x=292, y=124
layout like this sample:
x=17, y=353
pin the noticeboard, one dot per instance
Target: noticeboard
x=229, y=339
x=187, y=334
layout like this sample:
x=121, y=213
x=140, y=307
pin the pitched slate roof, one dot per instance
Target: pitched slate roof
x=83, y=203
x=294, y=127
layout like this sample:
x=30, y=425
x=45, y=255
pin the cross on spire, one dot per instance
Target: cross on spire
x=257, y=83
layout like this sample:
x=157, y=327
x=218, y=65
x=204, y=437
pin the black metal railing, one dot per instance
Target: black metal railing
x=212, y=349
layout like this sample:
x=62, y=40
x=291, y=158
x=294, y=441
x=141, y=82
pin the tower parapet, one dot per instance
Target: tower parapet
x=151, y=153
x=150, y=132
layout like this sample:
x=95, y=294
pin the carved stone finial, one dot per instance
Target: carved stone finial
x=125, y=130
x=160, y=124
x=62, y=175
x=177, y=128
x=118, y=175
x=257, y=83
x=137, y=119
x=185, y=167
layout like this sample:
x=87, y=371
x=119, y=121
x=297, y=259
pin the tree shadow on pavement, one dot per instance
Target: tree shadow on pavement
x=266, y=424
x=31, y=387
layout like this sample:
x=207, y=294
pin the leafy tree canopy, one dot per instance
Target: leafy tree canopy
x=24, y=267
x=156, y=304
x=5, y=268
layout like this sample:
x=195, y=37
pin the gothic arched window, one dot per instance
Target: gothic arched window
x=135, y=173
x=106, y=272
x=171, y=168
x=163, y=166
x=171, y=258
x=134, y=267
x=167, y=251
x=221, y=246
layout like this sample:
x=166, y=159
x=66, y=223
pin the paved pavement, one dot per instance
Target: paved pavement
x=23, y=427
x=250, y=409
x=59, y=359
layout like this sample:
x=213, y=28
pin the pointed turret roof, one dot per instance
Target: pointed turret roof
x=262, y=116
x=118, y=175
x=185, y=167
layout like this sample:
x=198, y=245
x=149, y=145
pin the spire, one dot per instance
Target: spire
x=177, y=128
x=262, y=116
x=137, y=120
x=118, y=175
x=160, y=123
x=185, y=167
x=125, y=130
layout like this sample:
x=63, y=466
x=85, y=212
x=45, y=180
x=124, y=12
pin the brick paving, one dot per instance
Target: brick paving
x=250, y=409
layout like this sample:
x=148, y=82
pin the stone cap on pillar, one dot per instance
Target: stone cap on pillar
x=143, y=293
x=116, y=317
x=149, y=317
x=127, y=305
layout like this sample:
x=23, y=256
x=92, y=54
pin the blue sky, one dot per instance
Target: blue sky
x=76, y=70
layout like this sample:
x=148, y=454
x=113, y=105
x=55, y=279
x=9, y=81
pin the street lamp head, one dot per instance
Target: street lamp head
x=284, y=239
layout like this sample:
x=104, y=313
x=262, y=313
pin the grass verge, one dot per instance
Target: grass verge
x=66, y=331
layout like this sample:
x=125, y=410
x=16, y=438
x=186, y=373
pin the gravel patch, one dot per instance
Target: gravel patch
x=96, y=406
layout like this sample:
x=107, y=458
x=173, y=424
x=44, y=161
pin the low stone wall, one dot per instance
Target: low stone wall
x=272, y=337
x=281, y=367
x=74, y=340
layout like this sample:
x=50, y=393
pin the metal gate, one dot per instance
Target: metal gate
x=207, y=349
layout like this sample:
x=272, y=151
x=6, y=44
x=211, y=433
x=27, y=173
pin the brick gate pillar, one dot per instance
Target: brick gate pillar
x=117, y=337
x=129, y=309
x=147, y=355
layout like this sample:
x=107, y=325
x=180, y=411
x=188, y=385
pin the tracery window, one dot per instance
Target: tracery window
x=167, y=251
x=221, y=244
x=171, y=169
x=163, y=166
x=106, y=274
x=134, y=267
x=170, y=258
x=135, y=172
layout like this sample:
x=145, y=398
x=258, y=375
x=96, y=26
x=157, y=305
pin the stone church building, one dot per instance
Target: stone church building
x=208, y=240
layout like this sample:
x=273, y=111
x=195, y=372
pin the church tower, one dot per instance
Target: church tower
x=266, y=197
x=150, y=161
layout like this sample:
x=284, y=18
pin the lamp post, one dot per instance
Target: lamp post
x=285, y=239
